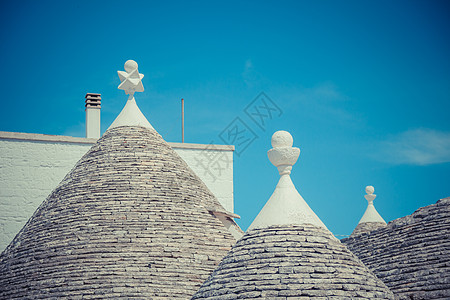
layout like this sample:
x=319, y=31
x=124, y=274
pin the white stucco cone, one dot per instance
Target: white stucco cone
x=285, y=206
x=131, y=115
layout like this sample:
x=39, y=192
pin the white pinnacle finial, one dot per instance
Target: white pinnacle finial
x=131, y=82
x=285, y=206
x=131, y=79
x=283, y=155
x=371, y=215
x=370, y=195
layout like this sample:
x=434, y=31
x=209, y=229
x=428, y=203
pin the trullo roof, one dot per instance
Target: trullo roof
x=130, y=220
x=298, y=258
x=411, y=254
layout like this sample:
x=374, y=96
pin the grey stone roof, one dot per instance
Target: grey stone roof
x=411, y=254
x=130, y=220
x=298, y=261
x=366, y=227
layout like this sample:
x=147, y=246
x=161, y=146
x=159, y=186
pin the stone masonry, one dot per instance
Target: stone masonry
x=291, y=262
x=131, y=220
x=32, y=165
x=412, y=254
x=367, y=227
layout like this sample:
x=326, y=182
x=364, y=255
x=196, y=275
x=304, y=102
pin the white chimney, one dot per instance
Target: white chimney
x=92, y=105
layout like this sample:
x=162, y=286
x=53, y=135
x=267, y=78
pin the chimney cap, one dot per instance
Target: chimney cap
x=93, y=94
x=93, y=100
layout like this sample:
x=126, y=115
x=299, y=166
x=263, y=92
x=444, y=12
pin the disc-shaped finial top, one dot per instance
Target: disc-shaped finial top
x=370, y=189
x=130, y=66
x=282, y=138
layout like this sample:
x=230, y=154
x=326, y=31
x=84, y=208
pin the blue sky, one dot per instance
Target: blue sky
x=363, y=87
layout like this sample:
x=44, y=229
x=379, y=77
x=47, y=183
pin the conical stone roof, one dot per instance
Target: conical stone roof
x=371, y=219
x=130, y=220
x=411, y=254
x=298, y=258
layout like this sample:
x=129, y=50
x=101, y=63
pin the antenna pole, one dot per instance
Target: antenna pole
x=182, y=120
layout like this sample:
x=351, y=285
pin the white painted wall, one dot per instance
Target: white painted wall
x=215, y=168
x=93, y=122
x=32, y=165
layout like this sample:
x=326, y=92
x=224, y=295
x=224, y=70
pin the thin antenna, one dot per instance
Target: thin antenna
x=182, y=120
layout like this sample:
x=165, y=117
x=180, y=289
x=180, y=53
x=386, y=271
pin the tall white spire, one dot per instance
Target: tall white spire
x=371, y=215
x=131, y=82
x=285, y=206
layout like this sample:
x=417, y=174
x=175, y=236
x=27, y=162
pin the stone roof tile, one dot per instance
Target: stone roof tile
x=291, y=261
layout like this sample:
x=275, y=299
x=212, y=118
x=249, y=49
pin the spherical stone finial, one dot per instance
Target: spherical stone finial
x=370, y=189
x=282, y=138
x=370, y=195
x=130, y=79
x=130, y=66
x=283, y=155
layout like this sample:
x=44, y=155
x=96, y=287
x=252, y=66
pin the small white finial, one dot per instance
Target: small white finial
x=283, y=155
x=282, y=138
x=286, y=206
x=131, y=82
x=130, y=66
x=371, y=215
x=131, y=79
x=370, y=189
x=370, y=195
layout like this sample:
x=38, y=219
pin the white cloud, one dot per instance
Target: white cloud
x=251, y=77
x=416, y=147
x=323, y=102
x=324, y=93
x=248, y=64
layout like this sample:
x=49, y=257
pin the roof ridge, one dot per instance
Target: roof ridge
x=420, y=213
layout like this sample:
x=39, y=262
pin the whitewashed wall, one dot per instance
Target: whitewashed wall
x=32, y=165
x=213, y=166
